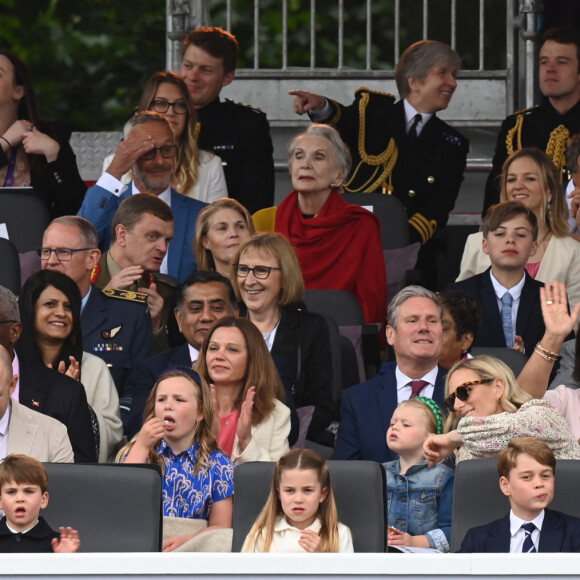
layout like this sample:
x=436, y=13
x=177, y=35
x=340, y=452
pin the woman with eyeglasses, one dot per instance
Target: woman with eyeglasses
x=269, y=282
x=338, y=244
x=251, y=423
x=487, y=409
x=50, y=310
x=199, y=173
x=34, y=153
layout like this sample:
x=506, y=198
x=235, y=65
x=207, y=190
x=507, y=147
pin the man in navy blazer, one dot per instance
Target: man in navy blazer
x=414, y=331
x=527, y=475
x=529, y=322
x=510, y=231
x=149, y=150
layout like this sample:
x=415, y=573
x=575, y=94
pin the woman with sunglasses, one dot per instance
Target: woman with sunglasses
x=269, y=282
x=199, y=174
x=487, y=409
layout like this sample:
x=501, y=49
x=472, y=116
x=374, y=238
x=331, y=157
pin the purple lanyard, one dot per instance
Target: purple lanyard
x=11, y=166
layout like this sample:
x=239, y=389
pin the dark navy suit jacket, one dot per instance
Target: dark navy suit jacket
x=135, y=336
x=529, y=322
x=100, y=205
x=560, y=533
x=365, y=415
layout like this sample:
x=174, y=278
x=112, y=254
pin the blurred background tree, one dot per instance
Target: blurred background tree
x=89, y=59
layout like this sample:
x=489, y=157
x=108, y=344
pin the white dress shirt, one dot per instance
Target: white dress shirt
x=518, y=535
x=404, y=389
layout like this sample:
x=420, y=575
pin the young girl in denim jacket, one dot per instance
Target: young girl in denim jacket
x=419, y=498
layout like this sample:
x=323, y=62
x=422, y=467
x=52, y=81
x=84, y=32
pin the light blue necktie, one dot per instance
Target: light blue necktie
x=506, y=319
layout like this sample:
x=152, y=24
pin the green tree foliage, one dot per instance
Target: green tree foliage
x=89, y=59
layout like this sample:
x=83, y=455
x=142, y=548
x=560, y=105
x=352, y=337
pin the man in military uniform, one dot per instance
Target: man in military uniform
x=141, y=231
x=403, y=148
x=549, y=125
x=239, y=134
x=116, y=325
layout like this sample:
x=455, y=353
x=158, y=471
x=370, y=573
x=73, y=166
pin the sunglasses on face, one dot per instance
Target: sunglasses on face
x=462, y=392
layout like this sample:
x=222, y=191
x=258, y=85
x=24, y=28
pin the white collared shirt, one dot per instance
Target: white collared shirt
x=4, y=425
x=571, y=219
x=518, y=535
x=515, y=291
x=410, y=113
x=193, y=353
x=404, y=389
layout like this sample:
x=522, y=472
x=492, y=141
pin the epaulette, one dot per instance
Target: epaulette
x=255, y=109
x=524, y=111
x=170, y=282
x=362, y=90
x=121, y=294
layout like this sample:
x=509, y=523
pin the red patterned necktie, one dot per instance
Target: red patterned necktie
x=417, y=387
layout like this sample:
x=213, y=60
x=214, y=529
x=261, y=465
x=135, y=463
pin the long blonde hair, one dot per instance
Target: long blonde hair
x=203, y=433
x=489, y=367
x=187, y=170
x=262, y=532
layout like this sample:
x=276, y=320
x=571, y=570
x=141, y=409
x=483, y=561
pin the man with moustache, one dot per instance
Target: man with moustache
x=414, y=331
x=149, y=150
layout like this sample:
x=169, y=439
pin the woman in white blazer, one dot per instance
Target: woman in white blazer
x=530, y=177
x=251, y=423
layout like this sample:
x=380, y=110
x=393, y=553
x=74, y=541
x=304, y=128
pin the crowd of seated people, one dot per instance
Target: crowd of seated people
x=167, y=325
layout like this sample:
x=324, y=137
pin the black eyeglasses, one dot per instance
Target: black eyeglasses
x=62, y=254
x=260, y=272
x=462, y=392
x=167, y=152
x=162, y=106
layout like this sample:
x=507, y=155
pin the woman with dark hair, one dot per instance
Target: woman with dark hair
x=34, y=153
x=199, y=174
x=460, y=319
x=338, y=244
x=251, y=422
x=50, y=310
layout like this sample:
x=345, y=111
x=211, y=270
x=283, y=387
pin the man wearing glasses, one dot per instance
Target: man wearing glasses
x=148, y=149
x=116, y=325
x=414, y=331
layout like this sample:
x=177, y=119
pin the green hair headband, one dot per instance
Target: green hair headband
x=435, y=409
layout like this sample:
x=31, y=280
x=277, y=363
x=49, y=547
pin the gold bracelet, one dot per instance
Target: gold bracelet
x=544, y=356
x=546, y=351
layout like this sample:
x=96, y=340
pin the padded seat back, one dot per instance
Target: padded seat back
x=359, y=491
x=114, y=507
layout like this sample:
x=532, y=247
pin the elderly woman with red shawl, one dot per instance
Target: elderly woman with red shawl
x=338, y=244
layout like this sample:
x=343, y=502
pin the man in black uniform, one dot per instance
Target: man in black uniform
x=237, y=133
x=549, y=125
x=402, y=148
x=116, y=326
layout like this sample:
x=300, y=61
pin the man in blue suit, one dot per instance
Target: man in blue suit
x=414, y=331
x=526, y=468
x=149, y=150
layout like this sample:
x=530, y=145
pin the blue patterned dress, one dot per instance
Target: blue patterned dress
x=189, y=495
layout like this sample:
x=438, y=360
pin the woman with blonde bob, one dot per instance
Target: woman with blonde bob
x=220, y=229
x=269, y=282
x=530, y=177
x=177, y=435
x=199, y=174
x=315, y=528
x=487, y=409
x=251, y=422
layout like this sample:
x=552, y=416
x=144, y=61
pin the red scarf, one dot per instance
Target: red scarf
x=339, y=249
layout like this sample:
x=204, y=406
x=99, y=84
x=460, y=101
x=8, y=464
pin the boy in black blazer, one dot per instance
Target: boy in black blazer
x=526, y=468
